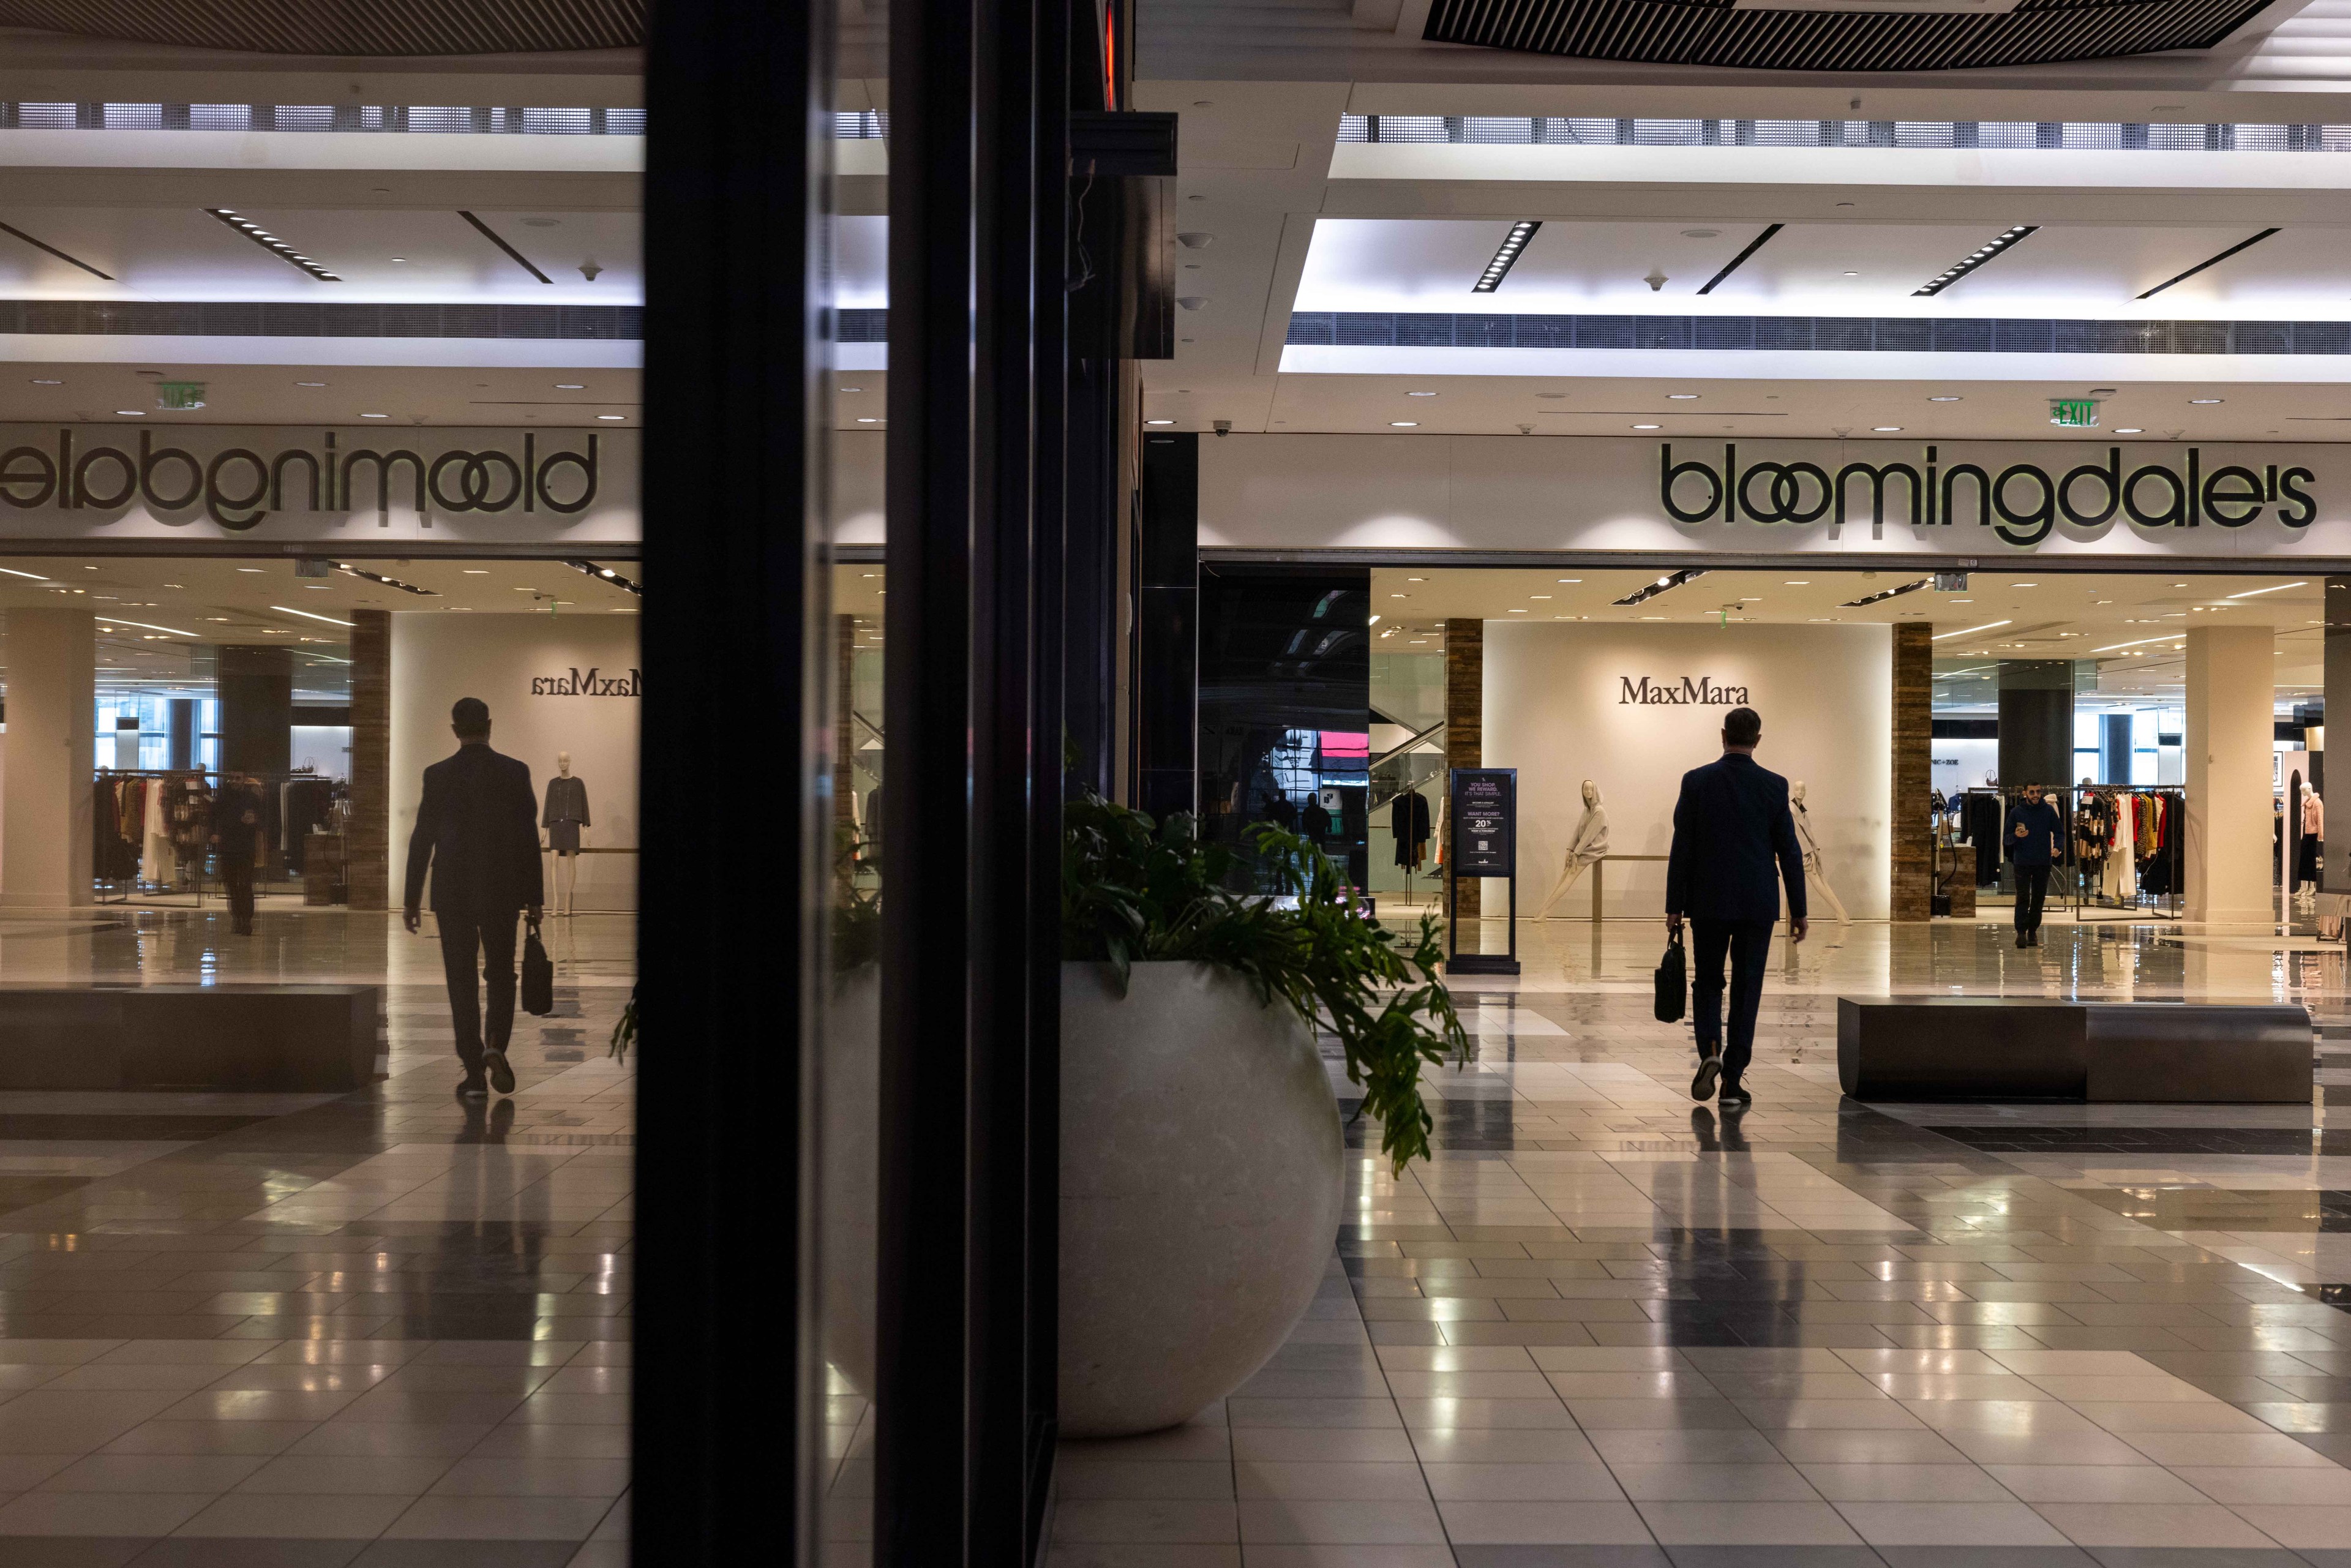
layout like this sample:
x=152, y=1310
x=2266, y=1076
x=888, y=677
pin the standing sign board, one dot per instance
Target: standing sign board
x=1484, y=817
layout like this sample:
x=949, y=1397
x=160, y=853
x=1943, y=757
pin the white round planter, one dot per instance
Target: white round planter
x=1201, y=1169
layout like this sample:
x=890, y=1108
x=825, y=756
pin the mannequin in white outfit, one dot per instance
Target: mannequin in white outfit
x=1591, y=842
x=1814, y=877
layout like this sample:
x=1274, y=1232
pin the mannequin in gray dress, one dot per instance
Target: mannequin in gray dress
x=566, y=815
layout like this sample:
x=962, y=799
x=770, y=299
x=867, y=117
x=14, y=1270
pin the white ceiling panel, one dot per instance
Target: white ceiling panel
x=383, y=256
x=1827, y=269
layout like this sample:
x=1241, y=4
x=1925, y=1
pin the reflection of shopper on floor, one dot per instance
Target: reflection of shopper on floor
x=236, y=831
x=1734, y=843
x=2032, y=835
x=477, y=829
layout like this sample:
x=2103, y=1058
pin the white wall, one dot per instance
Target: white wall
x=2230, y=741
x=1962, y=764
x=438, y=657
x=1553, y=711
x=52, y=685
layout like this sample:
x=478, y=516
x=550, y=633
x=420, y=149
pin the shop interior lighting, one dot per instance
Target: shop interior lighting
x=174, y=630
x=2000, y=243
x=36, y=576
x=1888, y=593
x=348, y=569
x=2273, y=588
x=1671, y=580
x=1970, y=631
x=1507, y=255
x=604, y=573
x=2166, y=637
x=272, y=245
x=329, y=620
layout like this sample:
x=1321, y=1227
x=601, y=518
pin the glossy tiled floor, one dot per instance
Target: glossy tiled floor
x=289, y=1331
x=1602, y=1328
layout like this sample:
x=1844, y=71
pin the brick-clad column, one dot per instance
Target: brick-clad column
x=1914, y=729
x=1465, y=728
x=367, y=845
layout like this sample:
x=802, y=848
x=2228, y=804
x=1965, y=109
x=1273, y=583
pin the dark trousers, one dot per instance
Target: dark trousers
x=492, y=939
x=1747, y=943
x=2032, y=893
x=236, y=874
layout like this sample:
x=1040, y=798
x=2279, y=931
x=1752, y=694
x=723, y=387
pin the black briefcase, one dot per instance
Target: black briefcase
x=538, y=977
x=1673, y=981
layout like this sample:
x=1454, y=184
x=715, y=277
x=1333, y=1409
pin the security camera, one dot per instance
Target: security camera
x=1655, y=280
x=1223, y=426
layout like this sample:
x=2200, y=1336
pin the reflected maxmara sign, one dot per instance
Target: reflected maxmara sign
x=1732, y=495
x=88, y=483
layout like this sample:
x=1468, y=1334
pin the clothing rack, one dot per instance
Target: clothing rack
x=123, y=868
x=2151, y=884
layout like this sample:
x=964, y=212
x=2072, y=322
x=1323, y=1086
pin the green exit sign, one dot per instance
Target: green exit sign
x=2081, y=412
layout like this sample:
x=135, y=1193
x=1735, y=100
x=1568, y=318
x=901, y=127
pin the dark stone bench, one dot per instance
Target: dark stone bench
x=2029, y=1048
x=232, y=1038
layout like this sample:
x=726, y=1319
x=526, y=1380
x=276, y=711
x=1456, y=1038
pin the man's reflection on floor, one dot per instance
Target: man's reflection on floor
x=1732, y=1140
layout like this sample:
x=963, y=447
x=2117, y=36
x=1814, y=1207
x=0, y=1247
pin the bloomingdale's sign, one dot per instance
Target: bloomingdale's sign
x=2021, y=504
x=286, y=482
x=2126, y=499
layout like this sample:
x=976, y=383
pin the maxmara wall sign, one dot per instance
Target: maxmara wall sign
x=590, y=682
x=1738, y=494
x=1691, y=691
x=346, y=487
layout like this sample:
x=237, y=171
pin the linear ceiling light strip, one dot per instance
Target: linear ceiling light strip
x=490, y=234
x=1734, y=264
x=2214, y=261
x=61, y=256
x=1671, y=580
x=1997, y=246
x=272, y=244
x=1889, y=593
x=1507, y=256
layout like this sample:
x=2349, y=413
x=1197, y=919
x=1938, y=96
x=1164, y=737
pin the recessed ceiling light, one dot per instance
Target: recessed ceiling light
x=2129, y=430
x=2203, y=400
x=1886, y=429
x=1648, y=427
x=477, y=571
x=38, y=382
x=1403, y=424
x=132, y=413
x=1146, y=422
x=1943, y=399
x=1420, y=394
x=375, y=416
x=1681, y=397
x=1853, y=275
x=612, y=416
x=309, y=384
x=1571, y=580
x=1799, y=582
x=582, y=386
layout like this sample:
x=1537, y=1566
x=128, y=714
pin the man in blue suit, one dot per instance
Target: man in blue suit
x=1734, y=841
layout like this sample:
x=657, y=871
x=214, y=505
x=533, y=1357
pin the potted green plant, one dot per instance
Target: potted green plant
x=1201, y=1148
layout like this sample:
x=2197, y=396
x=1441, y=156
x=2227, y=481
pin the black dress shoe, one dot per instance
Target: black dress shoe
x=501, y=1072
x=1734, y=1098
x=1708, y=1069
x=473, y=1088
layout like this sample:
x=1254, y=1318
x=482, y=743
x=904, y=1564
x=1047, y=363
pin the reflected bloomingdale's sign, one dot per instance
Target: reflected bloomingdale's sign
x=287, y=482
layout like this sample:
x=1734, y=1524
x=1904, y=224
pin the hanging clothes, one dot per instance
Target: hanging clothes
x=159, y=862
x=1409, y=820
x=2121, y=865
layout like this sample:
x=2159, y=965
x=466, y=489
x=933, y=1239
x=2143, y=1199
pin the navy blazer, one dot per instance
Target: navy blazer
x=1733, y=831
x=477, y=831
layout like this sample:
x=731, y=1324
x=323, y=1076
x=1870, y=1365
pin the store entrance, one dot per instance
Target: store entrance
x=1602, y=683
x=181, y=733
